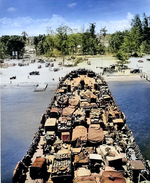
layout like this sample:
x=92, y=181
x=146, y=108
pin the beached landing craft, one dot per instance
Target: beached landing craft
x=83, y=138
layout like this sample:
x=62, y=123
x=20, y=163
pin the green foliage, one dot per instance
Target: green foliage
x=64, y=41
x=144, y=48
x=78, y=60
x=116, y=41
x=38, y=42
x=131, y=43
x=146, y=29
x=136, y=41
x=24, y=34
x=92, y=31
x=85, y=43
x=56, y=53
x=73, y=41
x=48, y=44
x=122, y=57
x=136, y=22
x=90, y=44
x=12, y=43
x=103, y=33
x=2, y=54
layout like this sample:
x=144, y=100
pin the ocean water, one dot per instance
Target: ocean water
x=21, y=109
x=133, y=98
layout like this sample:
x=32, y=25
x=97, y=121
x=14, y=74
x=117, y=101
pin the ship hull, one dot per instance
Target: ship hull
x=82, y=137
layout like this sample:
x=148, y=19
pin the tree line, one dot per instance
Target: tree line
x=65, y=41
x=133, y=42
x=12, y=46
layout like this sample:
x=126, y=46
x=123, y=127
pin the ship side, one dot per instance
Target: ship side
x=82, y=137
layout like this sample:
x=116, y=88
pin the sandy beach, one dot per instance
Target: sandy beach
x=48, y=76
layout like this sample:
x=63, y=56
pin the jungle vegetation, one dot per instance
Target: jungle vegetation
x=11, y=44
x=65, y=41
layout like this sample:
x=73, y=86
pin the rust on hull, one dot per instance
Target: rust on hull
x=83, y=137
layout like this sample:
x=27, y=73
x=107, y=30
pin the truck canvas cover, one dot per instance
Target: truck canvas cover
x=95, y=133
x=79, y=132
x=112, y=176
x=68, y=111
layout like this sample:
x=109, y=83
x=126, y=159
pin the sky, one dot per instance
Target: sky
x=40, y=16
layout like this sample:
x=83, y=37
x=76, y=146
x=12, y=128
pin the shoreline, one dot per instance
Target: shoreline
x=48, y=76
x=107, y=78
x=135, y=77
x=115, y=78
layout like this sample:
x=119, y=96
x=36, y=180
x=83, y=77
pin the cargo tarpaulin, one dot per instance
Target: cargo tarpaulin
x=75, y=82
x=79, y=132
x=89, y=81
x=68, y=111
x=137, y=165
x=112, y=176
x=84, y=179
x=55, y=110
x=95, y=133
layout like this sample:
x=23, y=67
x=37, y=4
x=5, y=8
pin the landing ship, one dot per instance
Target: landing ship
x=83, y=138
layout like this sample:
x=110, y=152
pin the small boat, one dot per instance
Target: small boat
x=40, y=87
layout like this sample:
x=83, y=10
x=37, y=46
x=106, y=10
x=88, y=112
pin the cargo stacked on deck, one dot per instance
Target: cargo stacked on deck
x=83, y=137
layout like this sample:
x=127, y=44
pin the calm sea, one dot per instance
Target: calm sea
x=21, y=109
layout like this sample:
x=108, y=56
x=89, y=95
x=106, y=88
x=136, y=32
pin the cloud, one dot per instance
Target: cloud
x=11, y=9
x=130, y=16
x=113, y=26
x=34, y=27
x=72, y=5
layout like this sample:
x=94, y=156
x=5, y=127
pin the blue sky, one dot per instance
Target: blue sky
x=37, y=16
